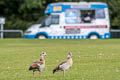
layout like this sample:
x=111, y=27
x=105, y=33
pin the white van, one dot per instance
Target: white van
x=73, y=21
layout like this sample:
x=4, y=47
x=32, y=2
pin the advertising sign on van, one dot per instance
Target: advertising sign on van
x=71, y=16
x=57, y=8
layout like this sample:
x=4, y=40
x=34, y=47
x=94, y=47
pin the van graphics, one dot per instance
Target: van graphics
x=85, y=27
x=72, y=31
x=71, y=16
x=104, y=36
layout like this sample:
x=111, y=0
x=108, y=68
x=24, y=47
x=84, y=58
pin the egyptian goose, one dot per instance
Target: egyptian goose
x=38, y=65
x=64, y=65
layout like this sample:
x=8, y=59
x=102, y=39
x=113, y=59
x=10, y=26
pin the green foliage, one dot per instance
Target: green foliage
x=20, y=14
x=114, y=7
x=30, y=4
x=92, y=59
x=17, y=23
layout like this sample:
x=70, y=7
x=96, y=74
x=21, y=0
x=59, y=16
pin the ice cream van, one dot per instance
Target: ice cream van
x=72, y=20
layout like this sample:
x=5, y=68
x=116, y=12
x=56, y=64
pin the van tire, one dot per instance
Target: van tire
x=93, y=36
x=41, y=36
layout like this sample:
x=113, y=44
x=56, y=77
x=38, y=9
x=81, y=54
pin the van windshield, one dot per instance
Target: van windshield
x=41, y=19
x=49, y=20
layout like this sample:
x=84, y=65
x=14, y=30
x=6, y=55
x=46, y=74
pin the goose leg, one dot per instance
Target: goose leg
x=40, y=73
x=64, y=73
x=33, y=74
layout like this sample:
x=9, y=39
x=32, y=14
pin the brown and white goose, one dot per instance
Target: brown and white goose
x=64, y=65
x=38, y=65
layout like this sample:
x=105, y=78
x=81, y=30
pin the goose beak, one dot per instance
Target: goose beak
x=45, y=54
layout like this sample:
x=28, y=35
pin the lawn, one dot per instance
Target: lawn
x=92, y=59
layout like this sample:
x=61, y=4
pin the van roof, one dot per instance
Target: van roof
x=62, y=6
x=79, y=3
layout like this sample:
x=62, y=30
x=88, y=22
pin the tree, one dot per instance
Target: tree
x=20, y=14
x=114, y=7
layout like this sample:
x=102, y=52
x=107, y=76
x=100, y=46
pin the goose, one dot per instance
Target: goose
x=38, y=65
x=64, y=65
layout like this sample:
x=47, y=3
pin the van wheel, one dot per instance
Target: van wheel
x=41, y=36
x=93, y=36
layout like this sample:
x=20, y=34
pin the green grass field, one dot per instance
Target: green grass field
x=93, y=59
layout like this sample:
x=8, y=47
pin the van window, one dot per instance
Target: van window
x=87, y=16
x=54, y=19
x=48, y=21
x=100, y=13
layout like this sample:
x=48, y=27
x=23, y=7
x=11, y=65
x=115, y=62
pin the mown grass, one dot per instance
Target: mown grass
x=93, y=59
